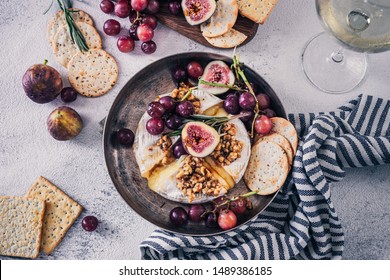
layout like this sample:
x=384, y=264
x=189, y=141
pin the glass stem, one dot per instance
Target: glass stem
x=338, y=56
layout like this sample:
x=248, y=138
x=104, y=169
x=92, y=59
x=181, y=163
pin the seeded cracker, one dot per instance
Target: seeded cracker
x=58, y=20
x=20, y=226
x=256, y=10
x=228, y=40
x=63, y=47
x=61, y=212
x=267, y=169
x=287, y=129
x=282, y=142
x=92, y=73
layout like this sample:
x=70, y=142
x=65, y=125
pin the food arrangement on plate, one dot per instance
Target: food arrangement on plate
x=196, y=143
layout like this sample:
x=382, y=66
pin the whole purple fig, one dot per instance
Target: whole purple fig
x=42, y=83
x=64, y=123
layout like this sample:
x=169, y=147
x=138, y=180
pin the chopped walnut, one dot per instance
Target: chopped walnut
x=179, y=93
x=165, y=144
x=228, y=149
x=194, y=178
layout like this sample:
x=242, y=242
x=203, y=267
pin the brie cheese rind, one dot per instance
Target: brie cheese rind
x=162, y=179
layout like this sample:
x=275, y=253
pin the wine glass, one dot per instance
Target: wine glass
x=360, y=27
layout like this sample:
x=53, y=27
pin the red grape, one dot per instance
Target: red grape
x=227, y=219
x=155, y=126
x=134, y=17
x=230, y=104
x=148, y=47
x=185, y=109
x=263, y=125
x=238, y=206
x=133, y=31
x=150, y=21
x=153, y=7
x=269, y=113
x=173, y=122
x=196, y=211
x=139, y=5
x=174, y=7
x=178, y=149
x=194, y=70
x=125, y=137
x=111, y=27
x=248, y=115
x=89, y=223
x=122, y=9
x=106, y=6
x=263, y=100
x=179, y=74
x=168, y=103
x=125, y=44
x=211, y=220
x=68, y=94
x=218, y=201
x=155, y=109
x=247, y=101
x=145, y=32
x=178, y=216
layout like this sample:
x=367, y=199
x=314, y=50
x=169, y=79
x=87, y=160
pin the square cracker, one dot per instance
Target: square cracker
x=21, y=221
x=61, y=212
x=256, y=10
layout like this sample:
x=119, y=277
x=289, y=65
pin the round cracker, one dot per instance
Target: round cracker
x=267, y=169
x=63, y=47
x=92, y=73
x=287, y=129
x=282, y=142
x=230, y=39
x=58, y=20
x=222, y=20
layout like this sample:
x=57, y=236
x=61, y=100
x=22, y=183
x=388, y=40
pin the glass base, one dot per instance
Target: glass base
x=330, y=67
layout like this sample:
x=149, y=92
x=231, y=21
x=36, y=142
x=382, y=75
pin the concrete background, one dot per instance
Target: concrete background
x=28, y=151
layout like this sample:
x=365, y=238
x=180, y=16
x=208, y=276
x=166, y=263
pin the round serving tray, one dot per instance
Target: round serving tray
x=126, y=111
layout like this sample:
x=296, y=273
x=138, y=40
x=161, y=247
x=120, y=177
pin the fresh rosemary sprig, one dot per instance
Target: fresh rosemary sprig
x=234, y=87
x=74, y=31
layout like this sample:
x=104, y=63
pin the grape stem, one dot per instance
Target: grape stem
x=188, y=93
x=45, y=62
x=228, y=201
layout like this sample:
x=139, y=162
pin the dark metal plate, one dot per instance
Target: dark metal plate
x=127, y=110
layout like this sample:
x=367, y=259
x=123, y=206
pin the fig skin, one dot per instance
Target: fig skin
x=42, y=83
x=64, y=123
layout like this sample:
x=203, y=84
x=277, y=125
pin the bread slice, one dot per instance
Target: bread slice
x=58, y=20
x=92, y=73
x=267, y=169
x=282, y=142
x=21, y=221
x=256, y=10
x=222, y=20
x=63, y=47
x=230, y=39
x=287, y=129
x=61, y=212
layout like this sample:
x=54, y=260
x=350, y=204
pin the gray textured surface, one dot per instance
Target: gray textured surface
x=78, y=167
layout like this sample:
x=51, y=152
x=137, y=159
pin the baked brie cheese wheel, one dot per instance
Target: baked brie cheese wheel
x=199, y=176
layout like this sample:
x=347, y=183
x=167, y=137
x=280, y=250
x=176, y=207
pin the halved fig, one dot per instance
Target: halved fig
x=198, y=11
x=219, y=73
x=199, y=139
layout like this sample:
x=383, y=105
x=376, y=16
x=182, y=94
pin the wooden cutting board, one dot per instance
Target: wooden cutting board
x=179, y=24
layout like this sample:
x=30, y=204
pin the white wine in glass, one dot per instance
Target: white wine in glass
x=360, y=27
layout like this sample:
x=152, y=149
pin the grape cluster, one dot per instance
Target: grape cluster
x=223, y=213
x=244, y=103
x=143, y=23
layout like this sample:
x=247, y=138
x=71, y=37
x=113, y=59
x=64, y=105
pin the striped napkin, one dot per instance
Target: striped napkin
x=301, y=222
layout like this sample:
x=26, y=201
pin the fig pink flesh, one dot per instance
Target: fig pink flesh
x=218, y=74
x=196, y=8
x=199, y=139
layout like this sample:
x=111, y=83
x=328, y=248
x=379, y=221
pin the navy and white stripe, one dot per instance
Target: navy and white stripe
x=301, y=223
